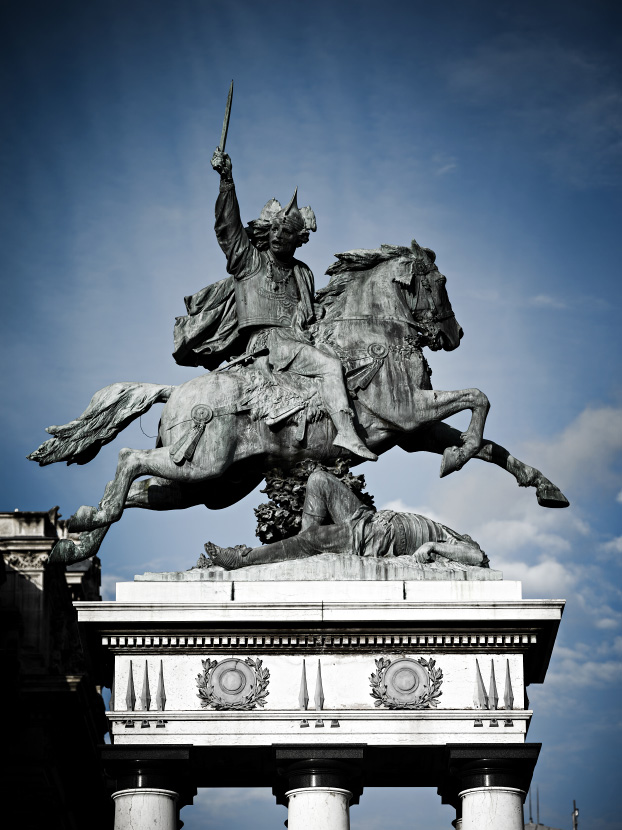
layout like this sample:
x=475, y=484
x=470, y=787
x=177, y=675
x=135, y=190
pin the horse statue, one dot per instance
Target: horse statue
x=221, y=432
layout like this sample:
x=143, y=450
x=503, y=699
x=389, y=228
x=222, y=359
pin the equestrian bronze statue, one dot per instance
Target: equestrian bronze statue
x=291, y=374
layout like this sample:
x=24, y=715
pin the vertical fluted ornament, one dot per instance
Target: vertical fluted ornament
x=130, y=695
x=145, y=698
x=493, y=694
x=303, y=695
x=319, y=689
x=508, y=694
x=480, y=698
x=161, y=692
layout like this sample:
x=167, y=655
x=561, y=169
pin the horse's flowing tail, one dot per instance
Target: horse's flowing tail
x=109, y=412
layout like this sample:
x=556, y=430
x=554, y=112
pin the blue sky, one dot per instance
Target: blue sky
x=491, y=132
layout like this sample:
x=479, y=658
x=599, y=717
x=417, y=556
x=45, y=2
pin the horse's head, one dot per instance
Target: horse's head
x=429, y=302
x=392, y=283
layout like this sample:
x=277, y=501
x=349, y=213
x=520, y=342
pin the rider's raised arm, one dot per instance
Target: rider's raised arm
x=232, y=237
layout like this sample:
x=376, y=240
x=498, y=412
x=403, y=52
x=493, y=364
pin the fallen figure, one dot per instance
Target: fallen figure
x=356, y=530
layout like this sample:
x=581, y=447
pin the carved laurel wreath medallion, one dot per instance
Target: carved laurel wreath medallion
x=406, y=683
x=233, y=684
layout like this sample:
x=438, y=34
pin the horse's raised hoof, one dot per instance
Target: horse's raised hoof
x=453, y=460
x=228, y=558
x=549, y=495
x=85, y=519
x=66, y=552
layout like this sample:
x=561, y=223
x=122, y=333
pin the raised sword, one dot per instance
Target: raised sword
x=225, y=123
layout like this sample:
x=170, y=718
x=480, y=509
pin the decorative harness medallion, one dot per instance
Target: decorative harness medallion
x=406, y=683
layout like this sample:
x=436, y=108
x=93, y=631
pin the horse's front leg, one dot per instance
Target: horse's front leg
x=438, y=437
x=433, y=405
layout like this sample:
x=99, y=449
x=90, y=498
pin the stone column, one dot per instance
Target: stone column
x=492, y=808
x=491, y=782
x=318, y=808
x=141, y=808
x=152, y=785
x=319, y=786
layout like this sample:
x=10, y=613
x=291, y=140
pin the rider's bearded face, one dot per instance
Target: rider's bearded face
x=283, y=239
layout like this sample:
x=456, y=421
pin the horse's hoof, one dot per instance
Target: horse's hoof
x=453, y=460
x=66, y=552
x=549, y=495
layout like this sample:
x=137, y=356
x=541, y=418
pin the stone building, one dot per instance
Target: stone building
x=54, y=712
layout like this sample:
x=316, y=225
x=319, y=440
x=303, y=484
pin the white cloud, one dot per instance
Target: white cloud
x=613, y=546
x=549, y=578
x=585, y=452
x=544, y=301
x=619, y=497
x=442, y=164
x=109, y=585
x=399, y=506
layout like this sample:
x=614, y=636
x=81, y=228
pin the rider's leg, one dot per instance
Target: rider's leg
x=326, y=496
x=311, y=362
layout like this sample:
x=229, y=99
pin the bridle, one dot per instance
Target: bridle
x=433, y=314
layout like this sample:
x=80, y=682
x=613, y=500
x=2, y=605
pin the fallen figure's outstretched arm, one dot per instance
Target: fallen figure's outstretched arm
x=463, y=552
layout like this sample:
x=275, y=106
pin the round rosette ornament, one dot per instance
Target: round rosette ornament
x=406, y=683
x=233, y=684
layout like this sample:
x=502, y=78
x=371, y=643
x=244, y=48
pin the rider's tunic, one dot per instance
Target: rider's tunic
x=273, y=301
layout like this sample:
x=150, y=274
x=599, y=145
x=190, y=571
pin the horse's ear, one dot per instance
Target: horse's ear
x=416, y=248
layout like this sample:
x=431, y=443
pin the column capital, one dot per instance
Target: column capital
x=470, y=766
x=140, y=767
x=336, y=767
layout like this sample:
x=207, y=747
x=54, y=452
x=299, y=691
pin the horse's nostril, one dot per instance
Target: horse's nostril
x=460, y=333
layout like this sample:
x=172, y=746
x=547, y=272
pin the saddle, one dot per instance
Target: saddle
x=280, y=398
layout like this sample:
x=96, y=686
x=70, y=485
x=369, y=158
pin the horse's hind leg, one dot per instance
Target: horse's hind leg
x=68, y=551
x=133, y=464
x=162, y=494
x=438, y=437
x=152, y=494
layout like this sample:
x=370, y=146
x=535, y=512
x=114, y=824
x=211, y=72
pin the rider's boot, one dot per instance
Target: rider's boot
x=347, y=437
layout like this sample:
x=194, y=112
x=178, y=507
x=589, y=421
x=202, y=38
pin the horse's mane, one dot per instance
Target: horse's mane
x=350, y=264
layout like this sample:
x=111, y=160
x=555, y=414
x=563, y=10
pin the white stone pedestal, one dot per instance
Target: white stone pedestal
x=144, y=809
x=492, y=808
x=318, y=808
x=246, y=684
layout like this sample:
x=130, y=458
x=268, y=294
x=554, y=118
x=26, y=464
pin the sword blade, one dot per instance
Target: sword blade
x=225, y=123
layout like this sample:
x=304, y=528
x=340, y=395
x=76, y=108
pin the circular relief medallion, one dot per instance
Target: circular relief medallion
x=232, y=681
x=406, y=683
x=233, y=684
x=377, y=350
